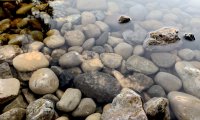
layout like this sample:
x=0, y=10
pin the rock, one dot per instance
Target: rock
x=37, y=35
x=91, y=5
x=57, y=53
x=124, y=49
x=91, y=31
x=70, y=100
x=13, y=114
x=40, y=109
x=114, y=41
x=103, y=26
x=88, y=44
x=157, y=109
x=63, y=118
x=138, y=12
x=74, y=38
x=4, y=25
x=51, y=97
x=184, y=106
x=75, y=48
x=28, y=95
x=122, y=107
x=168, y=81
x=156, y=91
x=186, y=54
x=104, y=86
x=87, y=55
x=54, y=41
x=94, y=116
x=9, y=89
x=135, y=37
x=24, y=9
x=197, y=55
x=87, y=18
x=59, y=93
x=103, y=38
x=189, y=76
x=8, y=52
x=35, y=46
x=5, y=71
x=70, y=59
x=141, y=64
x=138, y=50
x=53, y=32
x=43, y=81
x=91, y=65
x=108, y=48
x=165, y=60
x=86, y=107
x=30, y=61
x=154, y=14
x=111, y=60
x=66, y=27
x=98, y=49
x=65, y=79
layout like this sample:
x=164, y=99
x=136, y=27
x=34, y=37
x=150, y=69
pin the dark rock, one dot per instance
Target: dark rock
x=65, y=79
x=156, y=91
x=189, y=37
x=98, y=49
x=103, y=38
x=124, y=19
x=5, y=71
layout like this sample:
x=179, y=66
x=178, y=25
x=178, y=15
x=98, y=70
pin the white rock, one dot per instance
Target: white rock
x=54, y=41
x=87, y=18
x=74, y=38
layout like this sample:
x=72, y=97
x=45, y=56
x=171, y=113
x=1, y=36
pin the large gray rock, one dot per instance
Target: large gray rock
x=75, y=38
x=125, y=106
x=190, y=76
x=13, y=114
x=111, y=60
x=184, y=106
x=104, y=87
x=103, y=38
x=91, y=5
x=141, y=64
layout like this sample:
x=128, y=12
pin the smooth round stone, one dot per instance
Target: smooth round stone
x=111, y=60
x=78, y=49
x=74, y=38
x=186, y=54
x=86, y=107
x=141, y=64
x=114, y=41
x=37, y=35
x=30, y=61
x=156, y=91
x=91, y=31
x=168, y=81
x=88, y=44
x=103, y=38
x=138, y=12
x=91, y=65
x=54, y=41
x=40, y=109
x=134, y=37
x=70, y=59
x=87, y=18
x=66, y=27
x=98, y=49
x=24, y=9
x=43, y=81
x=69, y=100
x=35, y=46
x=62, y=118
x=124, y=49
x=9, y=89
x=103, y=26
x=165, y=60
x=51, y=97
x=13, y=114
x=184, y=106
x=57, y=53
x=94, y=116
x=138, y=50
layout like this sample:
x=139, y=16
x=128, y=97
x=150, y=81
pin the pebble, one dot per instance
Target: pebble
x=54, y=41
x=98, y=49
x=103, y=38
x=86, y=107
x=66, y=27
x=133, y=38
x=57, y=53
x=63, y=118
x=114, y=41
x=91, y=31
x=43, y=81
x=138, y=50
x=74, y=38
x=5, y=71
x=35, y=46
x=186, y=54
x=92, y=65
x=108, y=48
x=78, y=49
x=69, y=100
x=124, y=49
x=111, y=60
x=28, y=95
x=65, y=79
x=103, y=26
x=88, y=44
x=13, y=114
x=94, y=116
x=24, y=9
x=87, y=18
x=156, y=91
x=197, y=54
x=30, y=61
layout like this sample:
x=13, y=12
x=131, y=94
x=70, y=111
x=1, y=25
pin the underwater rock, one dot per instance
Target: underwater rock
x=189, y=37
x=124, y=19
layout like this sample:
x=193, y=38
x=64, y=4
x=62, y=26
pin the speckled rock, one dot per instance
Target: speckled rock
x=111, y=60
x=54, y=41
x=13, y=114
x=74, y=38
x=92, y=65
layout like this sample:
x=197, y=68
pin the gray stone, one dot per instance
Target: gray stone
x=138, y=50
x=57, y=53
x=87, y=55
x=98, y=49
x=186, y=54
x=124, y=49
x=54, y=41
x=103, y=26
x=108, y=48
x=13, y=114
x=92, y=65
x=5, y=71
x=35, y=46
x=28, y=95
x=91, y=31
x=103, y=38
x=75, y=38
x=88, y=44
x=134, y=38
x=78, y=49
x=111, y=60
x=51, y=97
x=66, y=27
x=156, y=91
x=87, y=18
x=150, y=25
x=114, y=41
x=91, y=5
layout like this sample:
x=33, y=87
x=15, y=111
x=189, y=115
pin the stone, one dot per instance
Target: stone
x=63, y=118
x=108, y=48
x=150, y=25
x=156, y=91
x=98, y=49
x=91, y=31
x=103, y=38
x=86, y=107
x=5, y=71
x=138, y=50
x=13, y=114
x=59, y=93
x=35, y=46
x=9, y=89
x=155, y=14
x=43, y=81
x=91, y=5
x=30, y=61
x=168, y=81
x=53, y=32
x=24, y=9
x=74, y=38
x=28, y=95
x=65, y=79
x=70, y=59
x=41, y=109
x=189, y=76
x=37, y=35
x=104, y=86
x=54, y=41
x=92, y=65
x=87, y=18
x=124, y=49
x=88, y=44
x=138, y=12
x=103, y=26
x=122, y=107
x=78, y=49
x=157, y=109
x=114, y=41
x=141, y=64
x=111, y=60
x=165, y=60
x=4, y=24
x=69, y=100
x=51, y=97
x=87, y=55
x=66, y=27
x=197, y=55
x=57, y=53
x=186, y=54
x=94, y=116
x=184, y=105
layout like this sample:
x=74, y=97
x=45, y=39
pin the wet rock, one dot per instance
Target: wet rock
x=40, y=109
x=92, y=65
x=94, y=116
x=70, y=59
x=5, y=71
x=86, y=107
x=54, y=41
x=114, y=41
x=141, y=64
x=111, y=60
x=138, y=12
x=24, y=9
x=87, y=55
x=35, y=46
x=91, y=31
x=122, y=107
x=51, y=97
x=66, y=27
x=59, y=93
x=53, y=32
x=104, y=86
x=165, y=60
x=4, y=25
x=124, y=49
x=74, y=38
x=75, y=48
x=16, y=39
x=124, y=19
x=57, y=53
x=108, y=48
x=28, y=95
x=156, y=91
x=9, y=89
x=133, y=38
x=98, y=49
x=103, y=38
x=13, y=114
x=189, y=76
x=186, y=54
x=43, y=81
x=157, y=109
x=168, y=81
x=63, y=118
x=138, y=50
x=87, y=18
x=189, y=37
x=88, y=44
x=93, y=5
x=103, y=26
x=70, y=100
x=65, y=79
